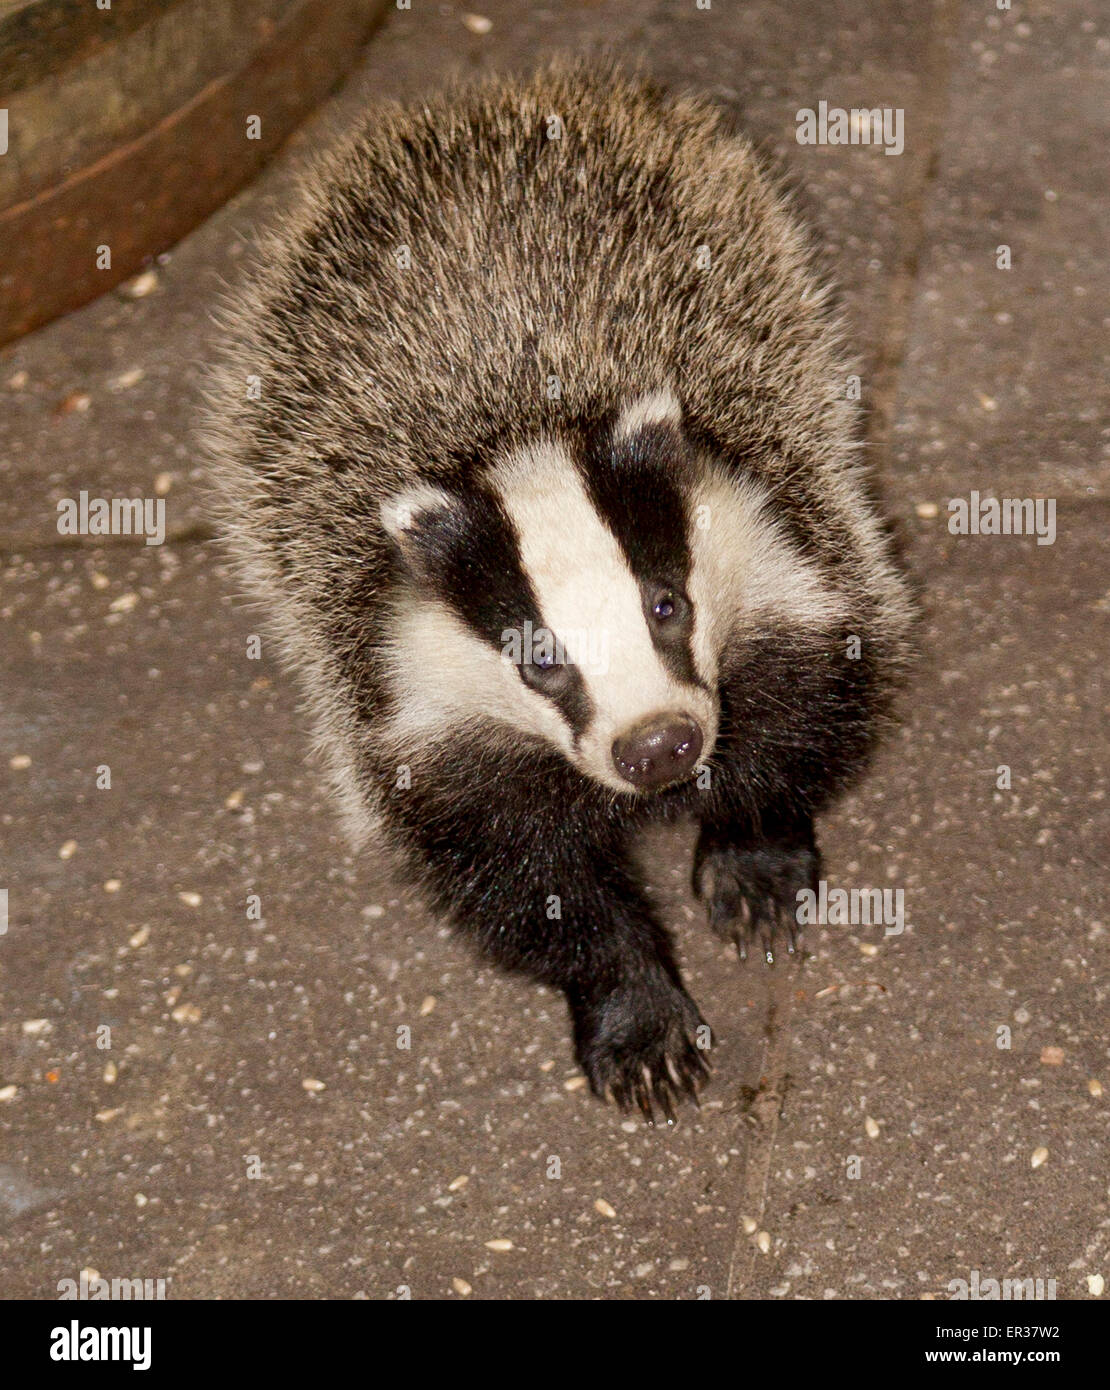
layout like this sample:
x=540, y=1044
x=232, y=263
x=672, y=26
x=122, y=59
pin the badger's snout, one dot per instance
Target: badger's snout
x=657, y=751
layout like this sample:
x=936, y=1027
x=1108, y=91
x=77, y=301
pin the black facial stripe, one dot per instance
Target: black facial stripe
x=631, y=482
x=472, y=552
x=675, y=652
x=574, y=703
x=475, y=555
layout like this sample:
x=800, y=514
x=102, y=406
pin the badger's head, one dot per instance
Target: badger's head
x=582, y=591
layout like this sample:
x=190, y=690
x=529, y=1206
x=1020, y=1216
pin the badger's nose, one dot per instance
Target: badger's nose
x=658, y=751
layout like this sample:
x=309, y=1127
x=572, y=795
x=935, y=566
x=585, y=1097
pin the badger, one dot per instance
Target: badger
x=550, y=479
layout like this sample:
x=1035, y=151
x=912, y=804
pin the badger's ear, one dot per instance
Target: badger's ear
x=420, y=521
x=654, y=410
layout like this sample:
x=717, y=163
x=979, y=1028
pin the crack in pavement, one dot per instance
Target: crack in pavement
x=936, y=75
x=763, y=1115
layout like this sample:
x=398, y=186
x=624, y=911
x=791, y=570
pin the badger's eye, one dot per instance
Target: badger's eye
x=549, y=678
x=664, y=605
x=545, y=666
x=668, y=607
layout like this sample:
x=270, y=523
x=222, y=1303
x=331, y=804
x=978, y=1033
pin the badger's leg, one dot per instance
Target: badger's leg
x=749, y=877
x=638, y=1035
x=543, y=891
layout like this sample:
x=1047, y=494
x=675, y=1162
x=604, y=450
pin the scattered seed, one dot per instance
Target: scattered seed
x=1095, y=1087
x=105, y=1116
x=477, y=23
x=575, y=1083
x=186, y=1013
x=987, y=402
x=926, y=510
x=677, y=1266
x=1039, y=1156
x=457, y=1184
x=77, y=402
x=111, y=1071
x=139, y=938
x=98, y=580
x=763, y=1241
x=8, y=1092
x=499, y=1244
x=140, y=286
x=68, y=850
x=191, y=899
x=548, y=1065
x=1052, y=1056
x=35, y=1027
x=235, y=800
x=90, y=1276
x=18, y=381
x=162, y=484
x=868, y=948
x=19, y=762
x=182, y=971
x=642, y=1271
x=1095, y=1285
x=427, y=1005
x=749, y=1226
x=124, y=604
x=374, y=910
x=461, y=1287
x=140, y=1200
x=125, y=380
x=113, y=885
x=310, y=1085
x=602, y=1207
x=872, y=1127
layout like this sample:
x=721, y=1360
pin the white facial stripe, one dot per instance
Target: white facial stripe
x=655, y=408
x=591, y=600
x=744, y=568
x=444, y=676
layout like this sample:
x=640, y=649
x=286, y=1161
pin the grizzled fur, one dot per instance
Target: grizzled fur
x=395, y=497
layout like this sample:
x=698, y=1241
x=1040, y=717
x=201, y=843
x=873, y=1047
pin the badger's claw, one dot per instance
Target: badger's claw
x=751, y=891
x=637, y=1047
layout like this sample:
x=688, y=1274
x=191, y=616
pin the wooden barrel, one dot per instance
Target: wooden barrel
x=127, y=125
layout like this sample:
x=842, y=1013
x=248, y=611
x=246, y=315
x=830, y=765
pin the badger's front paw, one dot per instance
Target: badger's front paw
x=750, y=890
x=639, y=1045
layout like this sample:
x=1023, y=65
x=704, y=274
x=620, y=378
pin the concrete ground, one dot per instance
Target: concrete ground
x=253, y=1129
